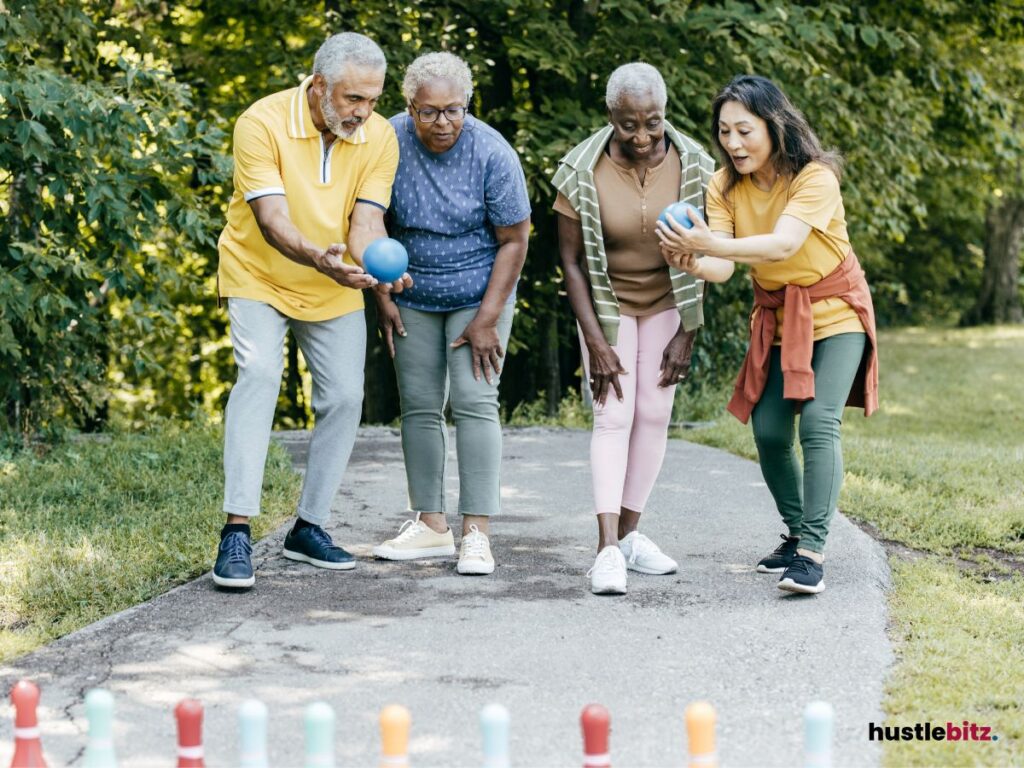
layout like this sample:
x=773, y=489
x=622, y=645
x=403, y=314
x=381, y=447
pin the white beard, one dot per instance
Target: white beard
x=333, y=120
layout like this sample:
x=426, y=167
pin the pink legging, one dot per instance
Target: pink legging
x=629, y=438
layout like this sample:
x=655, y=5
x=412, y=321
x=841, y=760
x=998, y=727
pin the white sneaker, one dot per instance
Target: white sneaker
x=642, y=555
x=608, y=576
x=416, y=539
x=475, y=554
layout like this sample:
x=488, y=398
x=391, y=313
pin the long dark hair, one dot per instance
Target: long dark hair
x=794, y=144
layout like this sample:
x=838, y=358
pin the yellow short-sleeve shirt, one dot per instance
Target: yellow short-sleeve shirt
x=279, y=151
x=813, y=196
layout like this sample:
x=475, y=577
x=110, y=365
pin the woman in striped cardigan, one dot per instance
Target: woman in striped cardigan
x=637, y=316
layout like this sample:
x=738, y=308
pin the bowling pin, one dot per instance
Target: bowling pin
x=319, y=735
x=99, y=711
x=818, y=719
x=494, y=722
x=252, y=734
x=28, y=749
x=394, y=736
x=189, y=714
x=596, y=723
x=700, y=731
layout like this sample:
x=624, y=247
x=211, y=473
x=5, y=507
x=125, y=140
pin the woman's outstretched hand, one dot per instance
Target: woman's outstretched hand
x=697, y=239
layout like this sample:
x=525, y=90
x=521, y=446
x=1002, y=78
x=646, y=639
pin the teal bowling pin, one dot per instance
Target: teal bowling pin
x=319, y=735
x=494, y=722
x=252, y=734
x=818, y=718
x=99, y=711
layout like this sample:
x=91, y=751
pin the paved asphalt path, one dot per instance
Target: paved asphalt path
x=531, y=636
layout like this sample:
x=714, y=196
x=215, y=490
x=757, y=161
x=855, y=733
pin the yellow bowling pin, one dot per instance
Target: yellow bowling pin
x=700, y=732
x=394, y=736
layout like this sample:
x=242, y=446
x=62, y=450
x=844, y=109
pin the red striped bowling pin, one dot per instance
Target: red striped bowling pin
x=596, y=724
x=28, y=749
x=189, y=714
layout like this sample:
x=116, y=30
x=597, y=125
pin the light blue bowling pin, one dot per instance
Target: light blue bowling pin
x=494, y=722
x=319, y=735
x=818, y=719
x=99, y=711
x=252, y=734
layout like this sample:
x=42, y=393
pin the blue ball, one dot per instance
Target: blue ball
x=678, y=212
x=386, y=259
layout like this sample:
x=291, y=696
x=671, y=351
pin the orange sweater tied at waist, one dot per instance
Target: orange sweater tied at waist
x=845, y=282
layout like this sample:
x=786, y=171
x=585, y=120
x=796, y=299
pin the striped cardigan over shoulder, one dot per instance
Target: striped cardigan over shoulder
x=575, y=179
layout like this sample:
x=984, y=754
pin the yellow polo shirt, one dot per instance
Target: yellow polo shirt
x=279, y=151
x=814, y=197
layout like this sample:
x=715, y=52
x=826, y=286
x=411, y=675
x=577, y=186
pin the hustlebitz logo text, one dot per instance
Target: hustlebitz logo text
x=965, y=731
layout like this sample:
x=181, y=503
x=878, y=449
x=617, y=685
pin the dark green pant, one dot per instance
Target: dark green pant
x=807, y=497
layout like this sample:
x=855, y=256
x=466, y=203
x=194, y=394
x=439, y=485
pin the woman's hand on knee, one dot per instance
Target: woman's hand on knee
x=485, y=345
x=605, y=369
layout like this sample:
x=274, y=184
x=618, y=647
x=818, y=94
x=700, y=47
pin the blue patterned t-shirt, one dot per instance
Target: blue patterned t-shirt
x=444, y=208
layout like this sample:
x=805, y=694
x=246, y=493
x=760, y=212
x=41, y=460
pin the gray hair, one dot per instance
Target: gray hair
x=344, y=50
x=635, y=79
x=437, y=66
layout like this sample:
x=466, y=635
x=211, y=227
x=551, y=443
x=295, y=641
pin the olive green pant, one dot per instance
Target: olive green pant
x=428, y=371
x=807, y=496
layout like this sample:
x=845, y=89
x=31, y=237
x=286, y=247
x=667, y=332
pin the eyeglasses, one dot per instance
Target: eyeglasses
x=430, y=115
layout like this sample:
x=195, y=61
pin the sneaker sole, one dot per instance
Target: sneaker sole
x=387, y=553
x=791, y=586
x=611, y=589
x=474, y=569
x=766, y=569
x=220, y=581
x=651, y=571
x=301, y=558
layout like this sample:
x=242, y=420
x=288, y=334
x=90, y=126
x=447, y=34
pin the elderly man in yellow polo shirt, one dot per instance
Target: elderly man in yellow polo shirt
x=314, y=167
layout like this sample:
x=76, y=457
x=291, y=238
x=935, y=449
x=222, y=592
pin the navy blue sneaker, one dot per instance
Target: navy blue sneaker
x=312, y=544
x=803, y=575
x=234, y=562
x=780, y=559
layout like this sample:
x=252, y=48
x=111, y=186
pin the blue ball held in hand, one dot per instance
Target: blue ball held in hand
x=386, y=259
x=678, y=212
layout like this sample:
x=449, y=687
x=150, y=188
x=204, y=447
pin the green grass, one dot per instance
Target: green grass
x=96, y=526
x=940, y=468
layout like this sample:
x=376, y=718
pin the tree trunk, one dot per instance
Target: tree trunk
x=380, y=390
x=295, y=409
x=999, y=299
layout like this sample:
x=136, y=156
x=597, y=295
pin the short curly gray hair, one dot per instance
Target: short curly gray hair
x=437, y=66
x=635, y=79
x=344, y=50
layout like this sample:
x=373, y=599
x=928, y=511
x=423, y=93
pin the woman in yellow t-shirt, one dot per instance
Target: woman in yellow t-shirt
x=776, y=206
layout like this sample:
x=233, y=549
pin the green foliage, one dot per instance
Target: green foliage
x=100, y=221
x=116, y=184
x=572, y=413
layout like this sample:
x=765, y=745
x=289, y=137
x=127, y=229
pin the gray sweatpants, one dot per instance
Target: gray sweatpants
x=429, y=370
x=335, y=353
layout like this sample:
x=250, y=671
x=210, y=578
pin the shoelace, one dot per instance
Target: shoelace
x=409, y=529
x=781, y=549
x=641, y=544
x=800, y=564
x=238, y=547
x=321, y=537
x=604, y=563
x=474, y=543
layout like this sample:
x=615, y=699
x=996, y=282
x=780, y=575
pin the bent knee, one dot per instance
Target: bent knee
x=260, y=370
